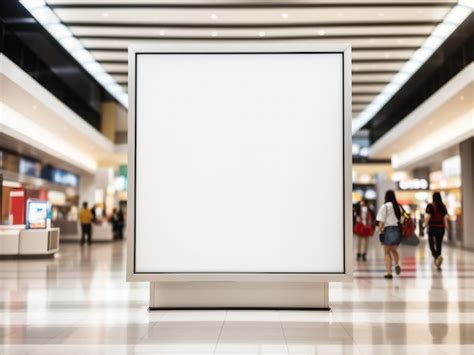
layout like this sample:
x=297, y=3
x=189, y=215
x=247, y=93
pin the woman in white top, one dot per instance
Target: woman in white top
x=389, y=217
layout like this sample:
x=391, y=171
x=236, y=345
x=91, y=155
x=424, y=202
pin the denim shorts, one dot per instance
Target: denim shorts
x=392, y=235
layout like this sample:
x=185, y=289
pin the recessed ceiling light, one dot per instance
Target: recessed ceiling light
x=261, y=34
x=71, y=44
x=284, y=15
x=214, y=16
x=58, y=30
x=321, y=32
x=214, y=34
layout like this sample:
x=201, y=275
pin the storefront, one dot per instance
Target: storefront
x=25, y=178
x=416, y=192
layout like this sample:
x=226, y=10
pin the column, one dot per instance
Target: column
x=87, y=189
x=108, y=120
x=466, y=151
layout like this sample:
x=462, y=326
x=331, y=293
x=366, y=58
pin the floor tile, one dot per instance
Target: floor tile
x=80, y=303
x=252, y=336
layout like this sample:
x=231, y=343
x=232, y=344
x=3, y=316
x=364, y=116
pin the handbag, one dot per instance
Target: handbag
x=363, y=230
x=408, y=226
x=407, y=230
x=358, y=228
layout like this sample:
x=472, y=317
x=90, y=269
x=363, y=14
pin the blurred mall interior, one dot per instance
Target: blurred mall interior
x=63, y=141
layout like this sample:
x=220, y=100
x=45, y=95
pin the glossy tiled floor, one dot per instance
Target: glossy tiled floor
x=79, y=303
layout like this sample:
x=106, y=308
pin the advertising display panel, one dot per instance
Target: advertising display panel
x=239, y=162
x=36, y=214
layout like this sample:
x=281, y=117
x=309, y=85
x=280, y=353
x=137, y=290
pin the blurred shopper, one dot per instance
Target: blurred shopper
x=121, y=219
x=114, y=221
x=118, y=222
x=363, y=228
x=85, y=218
x=436, y=218
x=389, y=218
x=94, y=214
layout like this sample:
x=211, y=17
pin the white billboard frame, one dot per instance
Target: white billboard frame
x=243, y=48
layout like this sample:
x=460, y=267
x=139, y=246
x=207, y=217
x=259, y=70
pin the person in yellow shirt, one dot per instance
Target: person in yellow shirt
x=85, y=218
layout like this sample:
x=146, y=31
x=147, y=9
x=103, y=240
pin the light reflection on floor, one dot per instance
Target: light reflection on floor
x=79, y=303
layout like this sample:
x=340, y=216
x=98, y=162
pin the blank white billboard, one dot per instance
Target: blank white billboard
x=239, y=163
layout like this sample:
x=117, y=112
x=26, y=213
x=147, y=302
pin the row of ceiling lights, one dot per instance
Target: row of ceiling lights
x=215, y=33
x=283, y=15
x=263, y=34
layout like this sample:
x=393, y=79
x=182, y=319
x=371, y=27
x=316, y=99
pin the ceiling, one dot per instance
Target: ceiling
x=36, y=121
x=384, y=34
x=444, y=120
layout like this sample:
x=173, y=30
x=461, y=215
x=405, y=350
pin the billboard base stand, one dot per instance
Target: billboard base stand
x=239, y=295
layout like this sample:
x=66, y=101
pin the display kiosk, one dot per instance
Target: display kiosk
x=18, y=242
x=35, y=239
x=239, y=173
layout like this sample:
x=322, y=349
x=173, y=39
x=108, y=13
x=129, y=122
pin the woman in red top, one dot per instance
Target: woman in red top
x=363, y=228
x=436, y=219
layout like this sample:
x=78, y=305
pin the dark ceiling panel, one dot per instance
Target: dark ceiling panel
x=455, y=54
x=46, y=61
